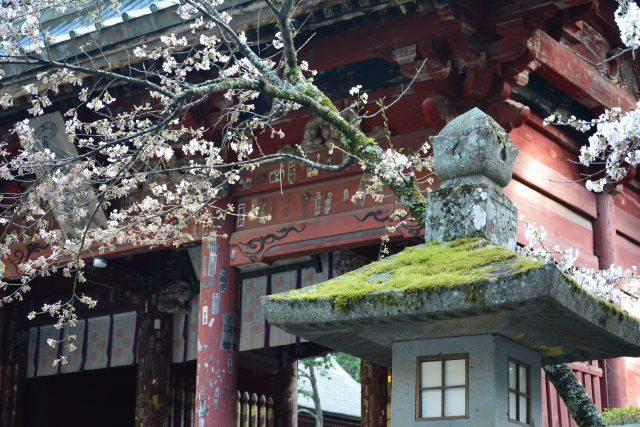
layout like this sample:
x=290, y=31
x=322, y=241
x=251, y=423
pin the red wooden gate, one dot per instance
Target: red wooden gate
x=554, y=411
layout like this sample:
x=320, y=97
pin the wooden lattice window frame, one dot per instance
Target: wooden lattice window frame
x=442, y=387
x=526, y=394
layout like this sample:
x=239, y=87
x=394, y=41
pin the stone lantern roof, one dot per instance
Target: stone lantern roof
x=466, y=280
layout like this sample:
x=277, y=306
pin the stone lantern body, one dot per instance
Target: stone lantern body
x=462, y=320
x=488, y=400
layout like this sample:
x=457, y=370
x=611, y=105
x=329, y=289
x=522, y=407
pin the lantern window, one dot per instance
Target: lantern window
x=442, y=387
x=519, y=393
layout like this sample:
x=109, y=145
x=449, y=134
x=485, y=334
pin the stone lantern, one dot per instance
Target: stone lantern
x=463, y=321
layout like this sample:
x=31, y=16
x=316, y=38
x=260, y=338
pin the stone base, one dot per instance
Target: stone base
x=473, y=207
x=488, y=380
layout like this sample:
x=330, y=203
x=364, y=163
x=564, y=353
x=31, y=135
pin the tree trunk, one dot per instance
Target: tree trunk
x=572, y=392
x=315, y=396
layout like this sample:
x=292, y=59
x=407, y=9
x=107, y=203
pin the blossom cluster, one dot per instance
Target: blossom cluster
x=628, y=19
x=613, y=148
x=609, y=284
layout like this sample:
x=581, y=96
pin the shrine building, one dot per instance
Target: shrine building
x=144, y=360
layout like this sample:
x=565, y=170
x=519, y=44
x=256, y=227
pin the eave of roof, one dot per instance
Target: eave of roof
x=71, y=37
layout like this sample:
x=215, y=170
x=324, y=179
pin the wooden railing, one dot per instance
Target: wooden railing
x=181, y=402
x=253, y=411
x=554, y=411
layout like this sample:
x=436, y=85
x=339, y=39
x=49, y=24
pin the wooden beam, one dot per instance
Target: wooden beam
x=628, y=225
x=566, y=228
x=377, y=40
x=555, y=185
x=316, y=235
x=244, y=19
x=564, y=69
x=21, y=253
x=628, y=252
x=260, y=183
x=586, y=368
x=510, y=9
x=555, y=133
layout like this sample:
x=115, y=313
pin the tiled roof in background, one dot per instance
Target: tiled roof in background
x=339, y=392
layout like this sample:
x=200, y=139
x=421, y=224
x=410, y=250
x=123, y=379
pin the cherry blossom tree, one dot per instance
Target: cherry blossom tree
x=119, y=153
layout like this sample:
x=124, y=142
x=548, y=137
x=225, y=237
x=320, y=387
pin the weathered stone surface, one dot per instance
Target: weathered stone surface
x=540, y=309
x=474, y=157
x=472, y=145
x=471, y=210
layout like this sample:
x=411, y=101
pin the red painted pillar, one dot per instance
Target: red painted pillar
x=375, y=395
x=218, y=334
x=604, y=229
x=606, y=248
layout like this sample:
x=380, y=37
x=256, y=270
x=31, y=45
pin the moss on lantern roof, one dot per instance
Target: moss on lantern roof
x=420, y=268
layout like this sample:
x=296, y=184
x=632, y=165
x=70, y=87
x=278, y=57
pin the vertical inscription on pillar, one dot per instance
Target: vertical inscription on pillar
x=213, y=262
x=223, y=279
x=318, y=204
x=292, y=172
x=230, y=332
x=205, y=315
x=241, y=215
x=215, y=305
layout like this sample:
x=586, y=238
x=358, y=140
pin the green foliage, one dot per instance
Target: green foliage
x=313, y=366
x=621, y=416
x=349, y=363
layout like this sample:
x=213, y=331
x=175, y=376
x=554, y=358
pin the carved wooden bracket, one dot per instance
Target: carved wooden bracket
x=446, y=11
x=438, y=110
x=479, y=75
x=509, y=114
x=537, y=18
x=516, y=72
x=482, y=59
x=411, y=58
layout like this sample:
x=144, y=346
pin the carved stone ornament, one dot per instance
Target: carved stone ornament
x=473, y=146
x=174, y=297
x=346, y=261
x=474, y=157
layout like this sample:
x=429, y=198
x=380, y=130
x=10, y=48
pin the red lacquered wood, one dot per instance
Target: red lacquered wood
x=545, y=401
